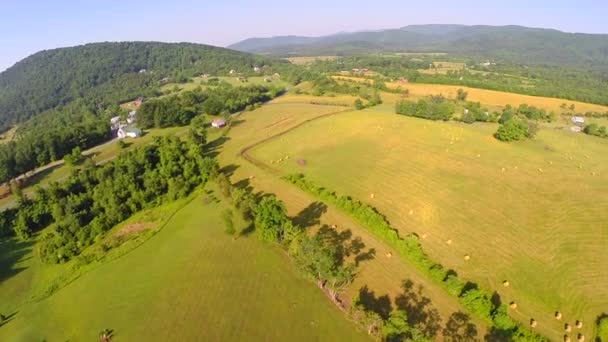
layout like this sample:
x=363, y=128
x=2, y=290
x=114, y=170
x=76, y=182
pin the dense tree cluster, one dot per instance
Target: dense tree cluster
x=476, y=300
x=178, y=110
x=518, y=124
x=50, y=139
x=435, y=108
x=474, y=112
x=596, y=130
x=95, y=198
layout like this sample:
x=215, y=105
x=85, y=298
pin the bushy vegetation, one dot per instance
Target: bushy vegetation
x=369, y=91
x=394, y=328
x=435, y=108
x=474, y=112
x=602, y=329
x=178, y=110
x=95, y=198
x=50, y=139
x=476, y=300
x=596, y=130
x=516, y=124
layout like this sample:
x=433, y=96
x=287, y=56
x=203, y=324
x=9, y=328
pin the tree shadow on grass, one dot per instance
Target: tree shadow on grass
x=419, y=308
x=380, y=305
x=8, y=318
x=310, y=216
x=228, y=170
x=212, y=148
x=12, y=252
x=459, y=328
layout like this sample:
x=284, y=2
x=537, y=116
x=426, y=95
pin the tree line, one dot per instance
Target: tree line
x=96, y=197
x=477, y=300
x=320, y=256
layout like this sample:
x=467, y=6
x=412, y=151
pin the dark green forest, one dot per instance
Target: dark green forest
x=102, y=74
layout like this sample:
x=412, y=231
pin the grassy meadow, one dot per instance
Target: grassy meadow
x=189, y=282
x=532, y=213
x=385, y=280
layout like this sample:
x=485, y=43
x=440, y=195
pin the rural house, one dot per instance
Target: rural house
x=578, y=119
x=132, y=117
x=130, y=132
x=218, y=123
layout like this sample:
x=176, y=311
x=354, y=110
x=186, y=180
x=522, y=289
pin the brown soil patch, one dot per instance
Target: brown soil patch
x=133, y=228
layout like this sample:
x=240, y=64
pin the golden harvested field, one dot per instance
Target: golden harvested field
x=383, y=276
x=533, y=213
x=492, y=97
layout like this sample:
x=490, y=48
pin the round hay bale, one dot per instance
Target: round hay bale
x=334, y=226
x=558, y=315
x=251, y=177
x=286, y=157
x=389, y=255
x=505, y=283
x=533, y=323
x=581, y=338
x=449, y=242
x=550, y=162
x=567, y=327
x=467, y=257
x=424, y=236
x=580, y=166
x=372, y=196
x=540, y=170
x=566, y=338
x=513, y=305
x=411, y=211
x=579, y=324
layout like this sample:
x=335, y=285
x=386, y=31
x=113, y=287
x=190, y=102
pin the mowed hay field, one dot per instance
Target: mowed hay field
x=533, y=213
x=189, y=282
x=386, y=281
x=490, y=98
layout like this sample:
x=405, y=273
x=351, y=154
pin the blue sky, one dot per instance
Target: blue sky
x=27, y=26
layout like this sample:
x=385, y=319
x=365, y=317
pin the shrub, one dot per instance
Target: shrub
x=512, y=130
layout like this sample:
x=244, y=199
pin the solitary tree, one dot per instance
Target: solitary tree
x=461, y=95
x=359, y=104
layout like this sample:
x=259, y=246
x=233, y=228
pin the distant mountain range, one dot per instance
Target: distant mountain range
x=516, y=44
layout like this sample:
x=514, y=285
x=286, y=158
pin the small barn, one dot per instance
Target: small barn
x=218, y=123
x=128, y=132
x=578, y=119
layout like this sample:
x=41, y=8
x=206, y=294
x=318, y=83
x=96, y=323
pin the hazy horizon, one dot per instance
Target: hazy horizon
x=37, y=25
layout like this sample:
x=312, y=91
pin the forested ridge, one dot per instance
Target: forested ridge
x=102, y=74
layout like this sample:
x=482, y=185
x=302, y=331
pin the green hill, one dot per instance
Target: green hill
x=503, y=43
x=101, y=74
